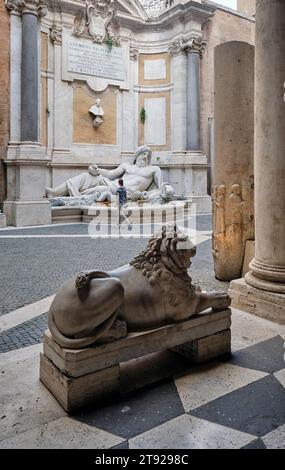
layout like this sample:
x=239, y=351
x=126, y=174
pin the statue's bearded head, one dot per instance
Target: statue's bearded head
x=142, y=156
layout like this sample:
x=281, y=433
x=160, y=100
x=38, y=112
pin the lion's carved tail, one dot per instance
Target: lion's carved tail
x=91, y=320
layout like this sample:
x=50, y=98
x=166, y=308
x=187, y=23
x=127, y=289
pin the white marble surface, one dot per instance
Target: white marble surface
x=24, y=401
x=280, y=375
x=209, y=382
x=155, y=69
x=155, y=124
x=275, y=439
x=85, y=57
x=247, y=331
x=187, y=432
x=62, y=433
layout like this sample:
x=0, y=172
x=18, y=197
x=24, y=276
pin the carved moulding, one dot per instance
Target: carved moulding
x=233, y=225
x=134, y=53
x=34, y=7
x=15, y=6
x=98, y=22
x=192, y=44
x=56, y=35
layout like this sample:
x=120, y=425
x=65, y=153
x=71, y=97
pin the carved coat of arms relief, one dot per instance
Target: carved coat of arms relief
x=97, y=22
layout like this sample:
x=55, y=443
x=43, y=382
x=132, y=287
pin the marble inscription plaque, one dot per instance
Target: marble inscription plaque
x=155, y=125
x=155, y=69
x=96, y=60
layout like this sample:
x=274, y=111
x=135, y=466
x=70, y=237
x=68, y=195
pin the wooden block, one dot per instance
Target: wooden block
x=206, y=349
x=77, y=363
x=74, y=393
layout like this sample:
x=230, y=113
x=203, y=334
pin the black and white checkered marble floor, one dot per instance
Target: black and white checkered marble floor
x=235, y=403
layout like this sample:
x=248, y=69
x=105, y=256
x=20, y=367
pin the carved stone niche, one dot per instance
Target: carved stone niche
x=98, y=22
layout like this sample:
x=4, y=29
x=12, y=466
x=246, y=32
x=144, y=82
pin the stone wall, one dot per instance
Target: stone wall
x=4, y=91
x=246, y=6
x=223, y=27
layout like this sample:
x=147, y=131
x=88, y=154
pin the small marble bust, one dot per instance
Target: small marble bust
x=98, y=112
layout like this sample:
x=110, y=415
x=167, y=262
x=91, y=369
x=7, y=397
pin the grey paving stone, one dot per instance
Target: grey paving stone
x=124, y=445
x=257, y=444
x=135, y=413
x=267, y=356
x=33, y=268
x=256, y=409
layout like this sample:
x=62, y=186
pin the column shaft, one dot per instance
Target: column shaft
x=268, y=267
x=193, y=101
x=179, y=117
x=30, y=79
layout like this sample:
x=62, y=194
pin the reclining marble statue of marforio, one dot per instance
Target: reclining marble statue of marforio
x=153, y=290
x=141, y=179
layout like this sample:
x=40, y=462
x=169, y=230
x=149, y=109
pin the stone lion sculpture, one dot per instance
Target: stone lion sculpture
x=155, y=289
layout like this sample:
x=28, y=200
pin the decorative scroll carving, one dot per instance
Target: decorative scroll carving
x=192, y=44
x=35, y=7
x=97, y=22
x=15, y=5
x=56, y=35
x=134, y=53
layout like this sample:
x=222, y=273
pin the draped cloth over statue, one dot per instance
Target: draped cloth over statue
x=84, y=184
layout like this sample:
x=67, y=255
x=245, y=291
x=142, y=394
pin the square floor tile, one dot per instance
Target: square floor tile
x=137, y=412
x=209, y=382
x=24, y=401
x=247, y=329
x=124, y=445
x=267, y=356
x=275, y=439
x=280, y=376
x=64, y=433
x=257, y=409
x=256, y=444
x=187, y=432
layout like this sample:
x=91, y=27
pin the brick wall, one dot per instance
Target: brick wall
x=4, y=90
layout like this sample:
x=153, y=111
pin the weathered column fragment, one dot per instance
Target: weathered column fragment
x=233, y=210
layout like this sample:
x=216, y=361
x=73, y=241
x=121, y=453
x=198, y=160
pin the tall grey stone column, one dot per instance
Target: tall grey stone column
x=194, y=48
x=32, y=9
x=26, y=162
x=265, y=284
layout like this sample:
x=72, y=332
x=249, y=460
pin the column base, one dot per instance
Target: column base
x=27, y=213
x=265, y=304
x=2, y=220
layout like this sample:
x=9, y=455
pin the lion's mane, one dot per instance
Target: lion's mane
x=164, y=264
